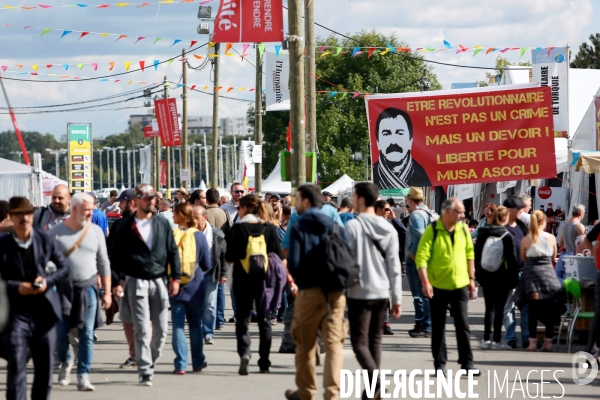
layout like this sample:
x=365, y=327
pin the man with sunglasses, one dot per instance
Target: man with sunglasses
x=231, y=207
x=446, y=265
x=35, y=307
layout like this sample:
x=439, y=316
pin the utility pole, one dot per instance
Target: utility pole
x=100, y=154
x=298, y=164
x=258, y=122
x=184, y=133
x=215, y=116
x=220, y=166
x=107, y=167
x=168, y=153
x=134, y=172
x=311, y=89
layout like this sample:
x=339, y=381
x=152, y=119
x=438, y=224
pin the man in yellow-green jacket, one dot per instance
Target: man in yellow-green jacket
x=445, y=262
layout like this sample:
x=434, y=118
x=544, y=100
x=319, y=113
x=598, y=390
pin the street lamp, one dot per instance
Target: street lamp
x=122, y=176
x=20, y=153
x=57, y=154
x=114, y=150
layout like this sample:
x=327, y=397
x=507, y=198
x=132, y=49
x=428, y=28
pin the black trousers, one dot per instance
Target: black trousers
x=458, y=300
x=543, y=311
x=366, y=331
x=39, y=335
x=495, y=300
x=247, y=291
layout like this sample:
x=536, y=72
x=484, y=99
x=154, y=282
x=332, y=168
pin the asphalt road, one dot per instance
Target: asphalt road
x=221, y=381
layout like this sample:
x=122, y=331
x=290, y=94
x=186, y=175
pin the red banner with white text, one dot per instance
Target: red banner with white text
x=168, y=121
x=448, y=138
x=249, y=21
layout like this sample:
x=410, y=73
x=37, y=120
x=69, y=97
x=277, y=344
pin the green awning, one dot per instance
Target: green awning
x=402, y=192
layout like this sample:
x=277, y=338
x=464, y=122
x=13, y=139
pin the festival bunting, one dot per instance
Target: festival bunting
x=100, y=6
x=340, y=92
x=324, y=50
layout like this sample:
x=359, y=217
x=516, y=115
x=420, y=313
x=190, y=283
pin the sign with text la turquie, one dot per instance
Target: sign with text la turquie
x=79, y=137
x=168, y=121
x=251, y=21
x=551, y=69
x=277, y=93
x=461, y=136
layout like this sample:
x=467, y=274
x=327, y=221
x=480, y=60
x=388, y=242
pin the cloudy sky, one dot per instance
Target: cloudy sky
x=508, y=23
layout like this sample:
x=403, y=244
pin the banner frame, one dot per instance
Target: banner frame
x=68, y=167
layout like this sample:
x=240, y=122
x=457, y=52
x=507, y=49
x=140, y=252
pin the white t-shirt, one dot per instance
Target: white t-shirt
x=145, y=228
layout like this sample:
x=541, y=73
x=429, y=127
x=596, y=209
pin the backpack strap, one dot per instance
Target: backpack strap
x=44, y=209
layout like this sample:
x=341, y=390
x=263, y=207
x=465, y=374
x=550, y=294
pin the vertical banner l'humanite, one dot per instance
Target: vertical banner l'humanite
x=277, y=81
x=551, y=68
x=168, y=121
x=461, y=136
x=249, y=21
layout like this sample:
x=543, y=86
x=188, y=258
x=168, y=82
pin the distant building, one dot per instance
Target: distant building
x=142, y=119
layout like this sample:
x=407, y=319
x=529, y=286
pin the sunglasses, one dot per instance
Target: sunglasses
x=238, y=191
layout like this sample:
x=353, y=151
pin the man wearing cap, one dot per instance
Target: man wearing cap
x=519, y=230
x=417, y=222
x=144, y=252
x=54, y=214
x=35, y=307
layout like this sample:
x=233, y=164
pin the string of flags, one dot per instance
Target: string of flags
x=82, y=34
x=324, y=51
x=191, y=86
x=101, y=6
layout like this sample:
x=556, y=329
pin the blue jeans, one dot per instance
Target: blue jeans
x=209, y=317
x=221, y=305
x=179, y=313
x=420, y=301
x=510, y=321
x=86, y=337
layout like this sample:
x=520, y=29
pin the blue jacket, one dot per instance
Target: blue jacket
x=417, y=222
x=312, y=228
x=100, y=219
x=193, y=292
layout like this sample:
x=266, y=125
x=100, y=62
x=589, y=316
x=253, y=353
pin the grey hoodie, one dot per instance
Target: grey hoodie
x=377, y=276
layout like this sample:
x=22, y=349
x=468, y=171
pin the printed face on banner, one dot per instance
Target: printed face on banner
x=457, y=138
x=396, y=167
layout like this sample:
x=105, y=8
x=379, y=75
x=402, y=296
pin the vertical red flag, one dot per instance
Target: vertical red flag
x=168, y=121
x=163, y=173
x=249, y=21
x=289, y=136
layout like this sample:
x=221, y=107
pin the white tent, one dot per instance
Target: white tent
x=17, y=179
x=274, y=184
x=339, y=186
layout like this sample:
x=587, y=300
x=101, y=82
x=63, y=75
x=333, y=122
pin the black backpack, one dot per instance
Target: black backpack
x=340, y=269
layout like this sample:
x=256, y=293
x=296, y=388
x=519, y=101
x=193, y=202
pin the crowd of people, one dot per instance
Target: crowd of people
x=324, y=270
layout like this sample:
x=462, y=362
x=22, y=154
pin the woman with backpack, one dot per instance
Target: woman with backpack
x=248, y=244
x=539, y=284
x=496, y=270
x=189, y=302
x=486, y=220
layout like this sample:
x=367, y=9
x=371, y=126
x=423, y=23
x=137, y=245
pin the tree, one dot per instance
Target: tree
x=588, y=55
x=35, y=142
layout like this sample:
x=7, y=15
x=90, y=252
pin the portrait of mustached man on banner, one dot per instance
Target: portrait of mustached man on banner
x=396, y=167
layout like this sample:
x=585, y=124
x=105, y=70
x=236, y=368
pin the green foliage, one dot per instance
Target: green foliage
x=588, y=56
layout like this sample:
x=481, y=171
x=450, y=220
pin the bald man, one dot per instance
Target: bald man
x=47, y=217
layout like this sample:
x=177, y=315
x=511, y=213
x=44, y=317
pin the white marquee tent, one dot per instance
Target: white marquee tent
x=342, y=184
x=274, y=184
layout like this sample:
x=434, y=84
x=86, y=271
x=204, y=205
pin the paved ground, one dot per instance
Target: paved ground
x=220, y=379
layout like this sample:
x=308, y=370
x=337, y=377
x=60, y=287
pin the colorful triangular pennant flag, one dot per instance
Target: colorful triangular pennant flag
x=65, y=33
